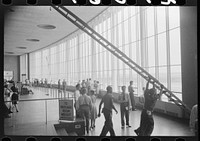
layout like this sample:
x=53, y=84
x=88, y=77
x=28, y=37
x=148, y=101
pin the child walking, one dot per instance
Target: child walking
x=15, y=99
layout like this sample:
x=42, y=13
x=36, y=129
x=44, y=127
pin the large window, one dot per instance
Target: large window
x=150, y=36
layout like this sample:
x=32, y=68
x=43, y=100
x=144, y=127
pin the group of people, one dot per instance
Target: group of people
x=85, y=100
x=90, y=85
x=85, y=105
x=11, y=98
x=146, y=124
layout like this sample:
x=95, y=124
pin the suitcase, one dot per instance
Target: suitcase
x=77, y=127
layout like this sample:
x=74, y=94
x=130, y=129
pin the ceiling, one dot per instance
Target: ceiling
x=21, y=23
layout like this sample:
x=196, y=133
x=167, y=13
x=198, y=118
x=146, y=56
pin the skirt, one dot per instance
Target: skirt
x=93, y=112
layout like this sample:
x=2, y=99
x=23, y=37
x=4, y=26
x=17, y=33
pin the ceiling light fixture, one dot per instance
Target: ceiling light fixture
x=21, y=47
x=9, y=52
x=33, y=40
x=46, y=26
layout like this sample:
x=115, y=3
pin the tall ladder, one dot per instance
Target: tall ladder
x=118, y=53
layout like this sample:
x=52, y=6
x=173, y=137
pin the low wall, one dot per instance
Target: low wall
x=160, y=107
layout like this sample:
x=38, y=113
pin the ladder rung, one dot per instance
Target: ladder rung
x=118, y=53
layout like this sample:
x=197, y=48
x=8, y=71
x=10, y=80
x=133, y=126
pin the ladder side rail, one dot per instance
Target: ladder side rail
x=116, y=50
x=105, y=40
x=66, y=16
x=102, y=38
x=109, y=43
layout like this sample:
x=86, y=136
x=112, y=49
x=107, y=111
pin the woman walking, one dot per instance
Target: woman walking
x=93, y=110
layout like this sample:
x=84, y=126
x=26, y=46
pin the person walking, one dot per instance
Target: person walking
x=107, y=100
x=64, y=87
x=147, y=121
x=84, y=103
x=131, y=93
x=15, y=99
x=124, y=107
x=83, y=84
x=93, y=110
x=58, y=88
x=76, y=96
x=97, y=88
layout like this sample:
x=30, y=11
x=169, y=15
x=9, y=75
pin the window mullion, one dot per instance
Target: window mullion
x=168, y=50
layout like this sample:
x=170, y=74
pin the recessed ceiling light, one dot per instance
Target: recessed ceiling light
x=46, y=26
x=9, y=52
x=33, y=40
x=21, y=47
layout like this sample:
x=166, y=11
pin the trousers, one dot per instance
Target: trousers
x=108, y=125
x=85, y=114
x=132, y=100
x=146, y=124
x=124, y=112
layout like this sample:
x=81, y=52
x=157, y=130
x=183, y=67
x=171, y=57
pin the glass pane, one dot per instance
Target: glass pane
x=120, y=35
x=162, y=51
x=176, y=82
x=126, y=78
x=151, y=51
x=161, y=19
x=119, y=16
x=125, y=13
x=133, y=29
x=163, y=75
x=132, y=8
x=174, y=17
x=126, y=32
x=175, y=50
x=150, y=21
x=152, y=71
x=133, y=51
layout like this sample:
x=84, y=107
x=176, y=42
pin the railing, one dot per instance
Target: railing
x=27, y=110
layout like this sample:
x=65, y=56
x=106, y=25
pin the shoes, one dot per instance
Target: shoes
x=10, y=112
x=92, y=127
x=17, y=111
x=134, y=110
x=122, y=127
x=128, y=126
x=136, y=132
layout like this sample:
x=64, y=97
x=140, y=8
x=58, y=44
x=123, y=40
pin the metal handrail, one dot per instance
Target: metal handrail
x=46, y=99
x=39, y=99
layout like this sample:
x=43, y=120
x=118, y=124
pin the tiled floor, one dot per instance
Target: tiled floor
x=31, y=119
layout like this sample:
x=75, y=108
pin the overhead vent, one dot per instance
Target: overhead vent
x=33, y=40
x=9, y=52
x=22, y=47
x=46, y=26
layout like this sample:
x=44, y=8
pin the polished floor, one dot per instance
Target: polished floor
x=39, y=116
